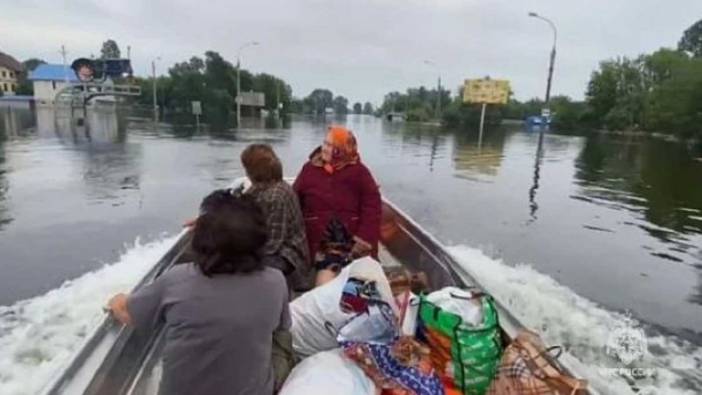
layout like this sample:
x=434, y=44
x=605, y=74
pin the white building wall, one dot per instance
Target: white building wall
x=45, y=91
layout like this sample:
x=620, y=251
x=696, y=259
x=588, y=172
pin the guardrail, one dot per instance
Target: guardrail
x=82, y=93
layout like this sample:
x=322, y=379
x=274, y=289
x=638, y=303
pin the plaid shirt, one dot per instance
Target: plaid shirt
x=286, y=229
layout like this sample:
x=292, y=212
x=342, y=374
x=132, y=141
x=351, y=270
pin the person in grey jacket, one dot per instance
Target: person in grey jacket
x=220, y=312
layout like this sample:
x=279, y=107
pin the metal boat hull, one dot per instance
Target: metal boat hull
x=118, y=360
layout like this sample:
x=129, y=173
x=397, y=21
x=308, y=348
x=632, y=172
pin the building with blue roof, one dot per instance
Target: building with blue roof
x=49, y=79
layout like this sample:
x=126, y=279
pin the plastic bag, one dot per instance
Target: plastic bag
x=378, y=325
x=409, y=313
x=328, y=372
x=316, y=310
x=460, y=302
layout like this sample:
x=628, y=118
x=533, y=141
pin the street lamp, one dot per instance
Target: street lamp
x=533, y=206
x=553, y=55
x=438, y=87
x=238, y=80
x=153, y=76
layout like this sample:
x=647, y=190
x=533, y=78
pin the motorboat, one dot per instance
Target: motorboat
x=116, y=359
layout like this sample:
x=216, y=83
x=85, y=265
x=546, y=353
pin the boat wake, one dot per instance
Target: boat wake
x=39, y=335
x=669, y=365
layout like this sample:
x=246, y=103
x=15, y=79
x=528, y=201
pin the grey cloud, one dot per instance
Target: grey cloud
x=360, y=49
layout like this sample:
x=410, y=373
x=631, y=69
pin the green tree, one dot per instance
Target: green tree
x=419, y=104
x=357, y=108
x=24, y=86
x=675, y=104
x=514, y=109
x=341, y=105
x=317, y=101
x=567, y=114
x=110, y=50
x=660, y=65
x=368, y=108
x=691, y=40
x=619, y=88
x=212, y=81
x=189, y=83
x=218, y=72
x=276, y=91
x=296, y=106
x=657, y=92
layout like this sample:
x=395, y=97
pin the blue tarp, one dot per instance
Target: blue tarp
x=52, y=72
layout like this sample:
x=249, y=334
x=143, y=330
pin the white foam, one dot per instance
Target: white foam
x=39, y=335
x=565, y=318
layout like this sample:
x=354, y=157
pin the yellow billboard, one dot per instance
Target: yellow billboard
x=486, y=90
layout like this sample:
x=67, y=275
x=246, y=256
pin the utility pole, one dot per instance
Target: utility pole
x=437, y=109
x=153, y=76
x=238, y=91
x=438, y=100
x=552, y=59
x=63, y=53
x=238, y=80
x=277, y=95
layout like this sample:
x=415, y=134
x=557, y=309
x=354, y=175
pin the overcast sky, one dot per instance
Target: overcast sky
x=361, y=49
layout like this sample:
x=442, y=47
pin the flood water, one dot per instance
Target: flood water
x=615, y=219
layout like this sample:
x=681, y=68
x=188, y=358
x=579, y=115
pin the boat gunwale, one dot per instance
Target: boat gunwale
x=109, y=325
x=508, y=323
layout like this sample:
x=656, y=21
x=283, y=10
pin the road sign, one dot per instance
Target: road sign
x=197, y=108
x=252, y=99
x=486, y=91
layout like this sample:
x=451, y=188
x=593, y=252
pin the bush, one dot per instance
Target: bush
x=617, y=119
x=419, y=114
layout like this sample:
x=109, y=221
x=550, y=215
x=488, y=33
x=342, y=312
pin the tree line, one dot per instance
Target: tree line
x=659, y=92
x=212, y=80
x=419, y=104
x=320, y=101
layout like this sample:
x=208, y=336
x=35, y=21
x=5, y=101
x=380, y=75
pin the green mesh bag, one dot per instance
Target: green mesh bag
x=475, y=350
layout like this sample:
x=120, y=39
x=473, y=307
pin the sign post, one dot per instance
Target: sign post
x=485, y=91
x=482, y=122
x=197, y=111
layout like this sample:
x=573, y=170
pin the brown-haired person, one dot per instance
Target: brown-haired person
x=221, y=311
x=286, y=248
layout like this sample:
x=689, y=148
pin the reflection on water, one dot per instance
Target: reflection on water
x=659, y=183
x=479, y=160
x=97, y=124
x=4, y=185
x=538, y=158
x=574, y=207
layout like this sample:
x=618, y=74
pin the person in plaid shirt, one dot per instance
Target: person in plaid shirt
x=286, y=248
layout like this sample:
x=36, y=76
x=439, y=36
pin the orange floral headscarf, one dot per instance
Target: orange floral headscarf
x=345, y=149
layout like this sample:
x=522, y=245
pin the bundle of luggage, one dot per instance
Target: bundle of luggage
x=372, y=332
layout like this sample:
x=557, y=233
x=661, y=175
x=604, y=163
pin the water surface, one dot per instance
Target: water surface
x=617, y=220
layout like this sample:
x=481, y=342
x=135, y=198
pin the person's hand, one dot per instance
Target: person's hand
x=190, y=223
x=360, y=248
x=118, y=307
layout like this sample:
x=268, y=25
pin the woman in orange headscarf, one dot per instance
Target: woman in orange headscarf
x=338, y=196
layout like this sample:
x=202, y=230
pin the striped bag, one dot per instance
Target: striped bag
x=525, y=369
